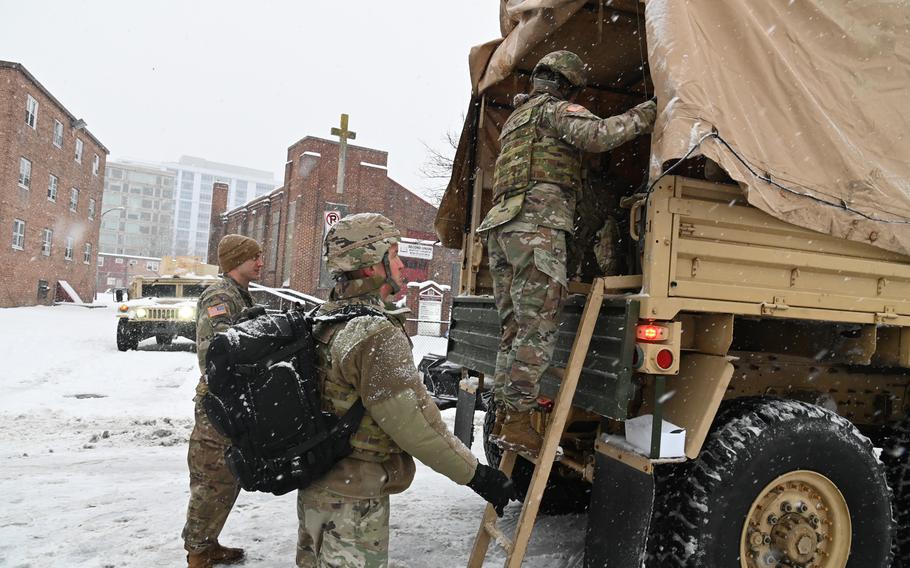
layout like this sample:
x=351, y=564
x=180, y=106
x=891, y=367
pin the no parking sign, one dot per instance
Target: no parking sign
x=330, y=218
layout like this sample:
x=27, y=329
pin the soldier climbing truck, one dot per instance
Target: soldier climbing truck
x=743, y=368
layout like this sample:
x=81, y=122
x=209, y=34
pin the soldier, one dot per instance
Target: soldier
x=537, y=178
x=344, y=516
x=213, y=488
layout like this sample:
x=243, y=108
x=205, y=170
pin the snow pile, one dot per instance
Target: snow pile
x=93, y=462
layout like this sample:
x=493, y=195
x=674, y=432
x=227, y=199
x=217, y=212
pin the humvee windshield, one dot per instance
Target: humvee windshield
x=160, y=291
x=193, y=290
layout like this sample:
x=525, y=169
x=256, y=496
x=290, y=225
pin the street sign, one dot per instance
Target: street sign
x=414, y=250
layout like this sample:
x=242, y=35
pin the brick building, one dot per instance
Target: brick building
x=291, y=221
x=51, y=182
x=117, y=270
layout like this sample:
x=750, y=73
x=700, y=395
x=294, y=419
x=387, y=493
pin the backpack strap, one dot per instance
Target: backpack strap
x=345, y=426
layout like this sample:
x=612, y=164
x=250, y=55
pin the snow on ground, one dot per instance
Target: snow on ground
x=93, y=462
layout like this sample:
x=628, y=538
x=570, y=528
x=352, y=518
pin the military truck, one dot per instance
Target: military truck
x=755, y=309
x=162, y=307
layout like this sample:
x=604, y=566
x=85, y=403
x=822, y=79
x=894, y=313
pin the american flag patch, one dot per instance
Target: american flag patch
x=218, y=310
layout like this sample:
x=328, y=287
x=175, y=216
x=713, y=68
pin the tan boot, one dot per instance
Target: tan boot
x=518, y=433
x=199, y=560
x=225, y=555
x=215, y=554
x=497, y=424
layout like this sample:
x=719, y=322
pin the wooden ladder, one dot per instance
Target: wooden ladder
x=516, y=547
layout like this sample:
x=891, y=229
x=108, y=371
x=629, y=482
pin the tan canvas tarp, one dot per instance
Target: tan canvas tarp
x=811, y=94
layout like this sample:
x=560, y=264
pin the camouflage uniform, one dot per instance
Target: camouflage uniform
x=213, y=488
x=536, y=182
x=344, y=516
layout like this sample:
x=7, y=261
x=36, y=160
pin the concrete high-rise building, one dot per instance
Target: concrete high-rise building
x=193, y=204
x=145, y=225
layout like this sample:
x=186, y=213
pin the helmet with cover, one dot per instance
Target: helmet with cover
x=359, y=241
x=564, y=63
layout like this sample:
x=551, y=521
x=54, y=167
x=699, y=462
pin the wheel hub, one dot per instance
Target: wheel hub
x=799, y=520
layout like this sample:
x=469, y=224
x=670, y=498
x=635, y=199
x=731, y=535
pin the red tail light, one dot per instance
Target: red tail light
x=651, y=332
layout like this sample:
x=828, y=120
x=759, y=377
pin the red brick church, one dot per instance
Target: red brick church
x=291, y=221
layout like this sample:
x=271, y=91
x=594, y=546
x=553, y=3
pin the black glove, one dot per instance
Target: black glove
x=493, y=486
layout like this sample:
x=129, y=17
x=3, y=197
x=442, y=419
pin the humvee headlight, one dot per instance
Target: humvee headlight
x=186, y=313
x=124, y=308
x=141, y=313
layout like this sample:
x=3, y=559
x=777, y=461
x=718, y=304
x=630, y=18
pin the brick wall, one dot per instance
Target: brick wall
x=25, y=267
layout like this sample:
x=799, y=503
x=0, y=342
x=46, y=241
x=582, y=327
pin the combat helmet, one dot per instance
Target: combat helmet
x=359, y=241
x=566, y=64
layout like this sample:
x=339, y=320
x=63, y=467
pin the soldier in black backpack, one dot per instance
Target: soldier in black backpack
x=344, y=515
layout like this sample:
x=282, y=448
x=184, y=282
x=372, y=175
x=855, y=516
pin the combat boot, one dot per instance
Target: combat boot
x=199, y=560
x=225, y=555
x=519, y=434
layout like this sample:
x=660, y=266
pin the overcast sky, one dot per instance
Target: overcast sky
x=238, y=81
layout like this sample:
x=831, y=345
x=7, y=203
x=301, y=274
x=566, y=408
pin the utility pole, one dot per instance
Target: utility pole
x=344, y=135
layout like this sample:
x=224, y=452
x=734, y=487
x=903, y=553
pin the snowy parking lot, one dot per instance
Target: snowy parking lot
x=93, y=462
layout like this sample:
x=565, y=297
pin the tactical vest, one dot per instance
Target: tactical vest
x=370, y=442
x=528, y=155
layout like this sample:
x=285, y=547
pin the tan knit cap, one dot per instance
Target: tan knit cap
x=234, y=250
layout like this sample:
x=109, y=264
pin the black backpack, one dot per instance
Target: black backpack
x=263, y=395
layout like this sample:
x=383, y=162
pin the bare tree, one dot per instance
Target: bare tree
x=437, y=168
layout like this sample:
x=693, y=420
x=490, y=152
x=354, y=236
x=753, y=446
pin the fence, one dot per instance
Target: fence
x=428, y=336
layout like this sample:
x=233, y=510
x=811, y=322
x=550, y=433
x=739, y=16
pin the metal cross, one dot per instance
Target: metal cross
x=344, y=135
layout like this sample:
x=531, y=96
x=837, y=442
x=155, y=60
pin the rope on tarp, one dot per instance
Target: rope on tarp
x=766, y=177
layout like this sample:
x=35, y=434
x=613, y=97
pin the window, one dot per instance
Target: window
x=100, y=260
x=74, y=199
x=153, y=266
x=46, y=239
x=118, y=261
x=31, y=112
x=58, y=134
x=18, y=234
x=91, y=209
x=25, y=173
x=96, y=164
x=68, y=253
x=87, y=253
x=79, y=150
x=52, y=188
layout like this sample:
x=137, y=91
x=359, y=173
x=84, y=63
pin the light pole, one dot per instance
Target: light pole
x=101, y=222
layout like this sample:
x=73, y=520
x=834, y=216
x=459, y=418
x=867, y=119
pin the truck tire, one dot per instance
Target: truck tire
x=562, y=496
x=164, y=339
x=775, y=478
x=896, y=457
x=126, y=336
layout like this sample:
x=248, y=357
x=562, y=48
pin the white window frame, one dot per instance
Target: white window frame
x=100, y=260
x=68, y=252
x=118, y=260
x=25, y=172
x=91, y=208
x=152, y=266
x=58, y=133
x=18, y=234
x=47, y=242
x=96, y=164
x=74, y=199
x=87, y=253
x=31, y=111
x=78, y=150
x=53, y=183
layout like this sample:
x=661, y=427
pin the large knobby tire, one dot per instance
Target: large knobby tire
x=771, y=476
x=164, y=339
x=896, y=457
x=563, y=495
x=126, y=336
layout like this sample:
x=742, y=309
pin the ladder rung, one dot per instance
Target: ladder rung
x=499, y=536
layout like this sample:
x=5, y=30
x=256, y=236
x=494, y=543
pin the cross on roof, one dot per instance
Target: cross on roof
x=343, y=135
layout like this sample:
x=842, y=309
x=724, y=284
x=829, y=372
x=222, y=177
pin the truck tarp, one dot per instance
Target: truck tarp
x=809, y=94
